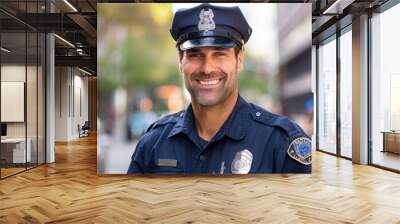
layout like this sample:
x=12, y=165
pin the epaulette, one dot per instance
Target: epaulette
x=289, y=127
x=166, y=119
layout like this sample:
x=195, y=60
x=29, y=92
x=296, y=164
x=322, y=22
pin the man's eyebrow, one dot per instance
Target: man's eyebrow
x=193, y=50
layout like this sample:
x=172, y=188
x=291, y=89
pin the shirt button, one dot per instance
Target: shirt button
x=202, y=157
x=258, y=114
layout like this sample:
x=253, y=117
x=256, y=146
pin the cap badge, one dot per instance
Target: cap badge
x=242, y=162
x=206, y=21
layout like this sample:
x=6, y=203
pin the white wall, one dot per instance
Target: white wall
x=62, y=81
x=71, y=94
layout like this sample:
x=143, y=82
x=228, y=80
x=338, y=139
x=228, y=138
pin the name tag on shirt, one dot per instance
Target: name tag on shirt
x=167, y=162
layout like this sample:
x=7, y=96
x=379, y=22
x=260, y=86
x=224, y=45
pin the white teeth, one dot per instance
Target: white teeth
x=210, y=82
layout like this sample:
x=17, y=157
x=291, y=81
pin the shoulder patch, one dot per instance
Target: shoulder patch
x=300, y=150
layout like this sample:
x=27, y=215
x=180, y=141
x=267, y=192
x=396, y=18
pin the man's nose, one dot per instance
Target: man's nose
x=207, y=66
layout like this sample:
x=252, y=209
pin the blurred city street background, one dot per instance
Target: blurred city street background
x=139, y=79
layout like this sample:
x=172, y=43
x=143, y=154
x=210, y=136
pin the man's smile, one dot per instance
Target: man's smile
x=209, y=82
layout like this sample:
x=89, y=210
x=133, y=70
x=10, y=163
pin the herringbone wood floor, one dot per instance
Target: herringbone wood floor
x=70, y=191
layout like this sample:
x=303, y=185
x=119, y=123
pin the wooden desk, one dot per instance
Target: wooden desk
x=391, y=141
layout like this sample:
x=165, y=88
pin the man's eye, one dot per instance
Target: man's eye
x=220, y=54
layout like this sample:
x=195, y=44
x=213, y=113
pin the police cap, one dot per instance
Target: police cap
x=208, y=25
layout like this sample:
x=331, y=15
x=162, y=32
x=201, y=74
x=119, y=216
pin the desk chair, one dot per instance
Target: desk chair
x=84, y=130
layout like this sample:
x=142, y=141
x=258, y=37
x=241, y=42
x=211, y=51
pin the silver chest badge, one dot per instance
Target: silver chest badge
x=206, y=21
x=241, y=164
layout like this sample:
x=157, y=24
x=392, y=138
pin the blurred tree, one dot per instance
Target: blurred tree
x=138, y=52
x=143, y=57
x=252, y=79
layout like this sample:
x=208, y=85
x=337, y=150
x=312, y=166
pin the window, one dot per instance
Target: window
x=327, y=95
x=385, y=89
x=346, y=93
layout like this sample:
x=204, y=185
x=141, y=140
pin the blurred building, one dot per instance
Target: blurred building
x=295, y=85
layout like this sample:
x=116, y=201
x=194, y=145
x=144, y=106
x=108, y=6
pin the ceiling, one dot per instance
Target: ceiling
x=75, y=21
x=332, y=15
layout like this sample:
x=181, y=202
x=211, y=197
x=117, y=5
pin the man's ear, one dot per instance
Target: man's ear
x=240, y=60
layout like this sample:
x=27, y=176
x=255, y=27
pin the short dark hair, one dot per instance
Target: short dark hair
x=236, y=48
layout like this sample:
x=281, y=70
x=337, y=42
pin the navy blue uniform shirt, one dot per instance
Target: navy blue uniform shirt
x=252, y=140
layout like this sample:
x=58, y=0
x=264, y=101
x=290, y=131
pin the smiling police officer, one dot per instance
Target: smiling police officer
x=219, y=133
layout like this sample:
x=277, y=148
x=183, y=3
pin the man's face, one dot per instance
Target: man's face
x=210, y=73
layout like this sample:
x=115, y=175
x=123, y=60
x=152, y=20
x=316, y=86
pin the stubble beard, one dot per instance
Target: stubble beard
x=222, y=95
